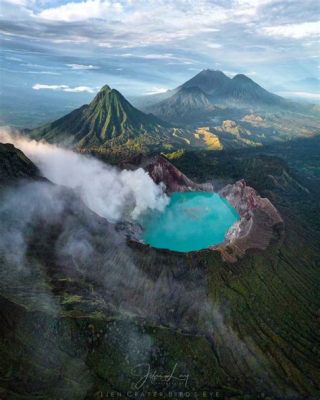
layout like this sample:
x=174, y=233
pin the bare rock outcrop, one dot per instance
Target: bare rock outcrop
x=259, y=224
x=15, y=165
x=161, y=170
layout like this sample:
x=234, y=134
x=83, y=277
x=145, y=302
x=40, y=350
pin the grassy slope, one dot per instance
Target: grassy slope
x=276, y=302
x=108, y=120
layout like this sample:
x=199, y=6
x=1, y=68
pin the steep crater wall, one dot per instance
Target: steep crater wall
x=260, y=222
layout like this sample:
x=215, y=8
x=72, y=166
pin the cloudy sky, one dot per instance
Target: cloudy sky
x=65, y=50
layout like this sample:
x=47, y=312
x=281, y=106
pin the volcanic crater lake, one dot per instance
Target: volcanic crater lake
x=191, y=221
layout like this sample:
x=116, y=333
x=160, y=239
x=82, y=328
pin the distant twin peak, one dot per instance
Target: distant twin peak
x=241, y=77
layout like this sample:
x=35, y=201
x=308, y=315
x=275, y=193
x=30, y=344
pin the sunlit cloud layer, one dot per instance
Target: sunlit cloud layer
x=295, y=31
x=140, y=46
x=81, y=66
x=156, y=90
x=64, y=88
x=306, y=95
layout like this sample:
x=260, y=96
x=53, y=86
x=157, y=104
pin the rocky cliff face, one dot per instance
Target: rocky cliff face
x=101, y=307
x=14, y=164
x=161, y=170
x=259, y=223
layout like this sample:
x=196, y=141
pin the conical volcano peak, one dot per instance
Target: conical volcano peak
x=109, y=117
x=105, y=89
x=208, y=80
x=212, y=72
x=106, y=94
x=103, y=93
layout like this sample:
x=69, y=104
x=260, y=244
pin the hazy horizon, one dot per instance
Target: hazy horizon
x=57, y=53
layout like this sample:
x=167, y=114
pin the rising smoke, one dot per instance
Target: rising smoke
x=108, y=191
x=46, y=234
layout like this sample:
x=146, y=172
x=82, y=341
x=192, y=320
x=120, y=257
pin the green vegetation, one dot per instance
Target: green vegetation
x=109, y=120
x=175, y=154
x=248, y=330
x=211, y=111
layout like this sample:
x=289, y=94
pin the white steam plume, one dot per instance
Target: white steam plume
x=111, y=193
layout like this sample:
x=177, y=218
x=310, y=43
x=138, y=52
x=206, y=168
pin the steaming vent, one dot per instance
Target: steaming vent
x=111, y=193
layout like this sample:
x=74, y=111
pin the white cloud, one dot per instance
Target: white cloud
x=139, y=23
x=13, y=59
x=295, y=31
x=208, y=29
x=233, y=73
x=18, y=2
x=63, y=88
x=157, y=90
x=39, y=86
x=107, y=45
x=168, y=32
x=214, y=45
x=254, y=3
x=167, y=56
x=158, y=56
x=81, y=11
x=42, y=72
x=81, y=66
x=230, y=73
x=305, y=95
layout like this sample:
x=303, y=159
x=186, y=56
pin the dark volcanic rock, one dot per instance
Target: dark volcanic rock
x=14, y=164
x=86, y=309
x=161, y=170
x=260, y=221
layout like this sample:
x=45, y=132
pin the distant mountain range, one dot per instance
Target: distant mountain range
x=209, y=111
x=218, y=90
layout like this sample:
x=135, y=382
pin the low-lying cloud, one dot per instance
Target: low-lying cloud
x=47, y=236
x=64, y=88
x=111, y=193
x=304, y=95
x=82, y=66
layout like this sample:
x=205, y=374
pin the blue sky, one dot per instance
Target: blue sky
x=66, y=50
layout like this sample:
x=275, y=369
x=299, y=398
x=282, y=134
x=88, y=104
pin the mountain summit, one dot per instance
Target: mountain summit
x=213, y=90
x=208, y=80
x=108, y=118
x=243, y=90
x=237, y=91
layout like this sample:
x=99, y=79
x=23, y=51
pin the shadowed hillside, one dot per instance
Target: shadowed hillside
x=85, y=307
x=14, y=165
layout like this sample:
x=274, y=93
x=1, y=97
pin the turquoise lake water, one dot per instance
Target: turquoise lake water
x=191, y=221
